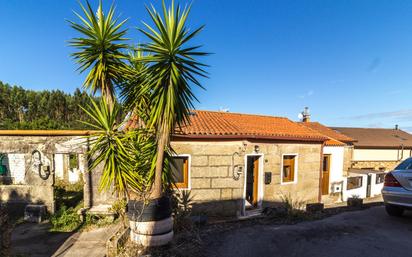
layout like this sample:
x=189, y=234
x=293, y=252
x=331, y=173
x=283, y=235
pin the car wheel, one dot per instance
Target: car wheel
x=393, y=210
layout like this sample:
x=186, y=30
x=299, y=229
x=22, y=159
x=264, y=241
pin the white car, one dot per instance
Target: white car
x=397, y=189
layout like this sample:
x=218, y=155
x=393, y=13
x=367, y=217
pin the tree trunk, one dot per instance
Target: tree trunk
x=161, y=145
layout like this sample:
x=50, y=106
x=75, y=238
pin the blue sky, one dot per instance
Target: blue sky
x=349, y=61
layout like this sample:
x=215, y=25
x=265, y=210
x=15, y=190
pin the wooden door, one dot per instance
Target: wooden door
x=325, y=174
x=255, y=180
x=252, y=180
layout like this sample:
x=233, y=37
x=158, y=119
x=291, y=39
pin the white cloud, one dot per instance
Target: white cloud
x=307, y=94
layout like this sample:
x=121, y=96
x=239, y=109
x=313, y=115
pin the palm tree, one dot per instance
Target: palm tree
x=100, y=49
x=171, y=69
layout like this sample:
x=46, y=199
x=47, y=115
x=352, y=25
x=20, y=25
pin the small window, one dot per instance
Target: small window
x=288, y=169
x=73, y=161
x=354, y=182
x=180, y=171
x=380, y=178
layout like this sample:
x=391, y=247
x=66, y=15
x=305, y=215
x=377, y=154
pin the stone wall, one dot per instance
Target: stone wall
x=375, y=165
x=27, y=186
x=212, y=173
x=210, y=176
x=306, y=187
x=347, y=159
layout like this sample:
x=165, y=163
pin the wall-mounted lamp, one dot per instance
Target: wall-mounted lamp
x=257, y=149
x=237, y=172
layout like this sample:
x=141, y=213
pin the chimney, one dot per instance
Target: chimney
x=396, y=127
x=306, y=115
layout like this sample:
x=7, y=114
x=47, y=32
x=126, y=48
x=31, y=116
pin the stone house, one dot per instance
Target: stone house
x=235, y=163
x=377, y=148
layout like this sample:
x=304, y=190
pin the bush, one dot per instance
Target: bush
x=65, y=220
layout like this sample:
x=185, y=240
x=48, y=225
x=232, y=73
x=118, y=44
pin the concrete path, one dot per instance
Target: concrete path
x=370, y=233
x=90, y=244
x=35, y=240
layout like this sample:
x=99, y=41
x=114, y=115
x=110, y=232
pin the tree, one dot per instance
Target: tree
x=100, y=49
x=171, y=70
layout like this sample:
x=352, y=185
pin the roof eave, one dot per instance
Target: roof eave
x=245, y=137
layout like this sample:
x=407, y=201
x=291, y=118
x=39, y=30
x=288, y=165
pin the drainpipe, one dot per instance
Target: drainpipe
x=321, y=173
x=53, y=172
x=400, y=156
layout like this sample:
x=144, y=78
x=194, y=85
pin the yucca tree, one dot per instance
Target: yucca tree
x=100, y=49
x=171, y=70
x=111, y=146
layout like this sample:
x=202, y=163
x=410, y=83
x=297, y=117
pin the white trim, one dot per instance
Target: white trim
x=189, y=160
x=295, y=175
x=260, y=182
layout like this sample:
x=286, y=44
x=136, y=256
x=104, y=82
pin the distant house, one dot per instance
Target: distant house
x=336, y=159
x=377, y=148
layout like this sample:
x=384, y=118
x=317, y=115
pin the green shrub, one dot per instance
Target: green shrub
x=65, y=220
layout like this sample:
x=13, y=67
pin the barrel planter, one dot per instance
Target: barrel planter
x=151, y=223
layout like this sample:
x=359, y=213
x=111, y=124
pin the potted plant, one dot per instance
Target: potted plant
x=355, y=201
x=156, y=89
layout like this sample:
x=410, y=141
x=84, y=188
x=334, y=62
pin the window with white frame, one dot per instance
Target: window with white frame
x=180, y=171
x=289, y=168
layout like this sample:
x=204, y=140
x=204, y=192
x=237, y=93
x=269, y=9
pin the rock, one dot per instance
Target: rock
x=34, y=212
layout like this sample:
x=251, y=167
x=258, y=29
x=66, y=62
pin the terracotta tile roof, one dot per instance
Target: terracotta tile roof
x=378, y=137
x=333, y=142
x=331, y=133
x=225, y=124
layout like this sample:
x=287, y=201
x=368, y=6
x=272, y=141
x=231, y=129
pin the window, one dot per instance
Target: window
x=380, y=178
x=73, y=161
x=289, y=168
x=180, y=171
x=354, y=182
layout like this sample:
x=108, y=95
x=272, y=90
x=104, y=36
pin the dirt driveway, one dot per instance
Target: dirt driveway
x=367, y=233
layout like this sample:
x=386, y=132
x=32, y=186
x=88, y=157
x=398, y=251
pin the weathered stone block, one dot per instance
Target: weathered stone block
x=237, y=193
x=200, y=183
x=220, y=160
x=226, y=183
x=206, y=194
x=199, y=160
x=226, y=194
x=35, y=213
x=213, y=172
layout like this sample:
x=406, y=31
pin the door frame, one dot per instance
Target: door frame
x=329, y=156
x=259, y=182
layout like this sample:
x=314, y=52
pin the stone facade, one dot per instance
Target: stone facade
x=216, y=188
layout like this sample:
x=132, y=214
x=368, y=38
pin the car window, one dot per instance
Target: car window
x=405, y=165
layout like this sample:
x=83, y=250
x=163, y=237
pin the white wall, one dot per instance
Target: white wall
x=59, y=165
x=360, y=192
x=336, y=163
x=379, y=154
x=74, y=175
x=375, y=188
x=16, y=167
